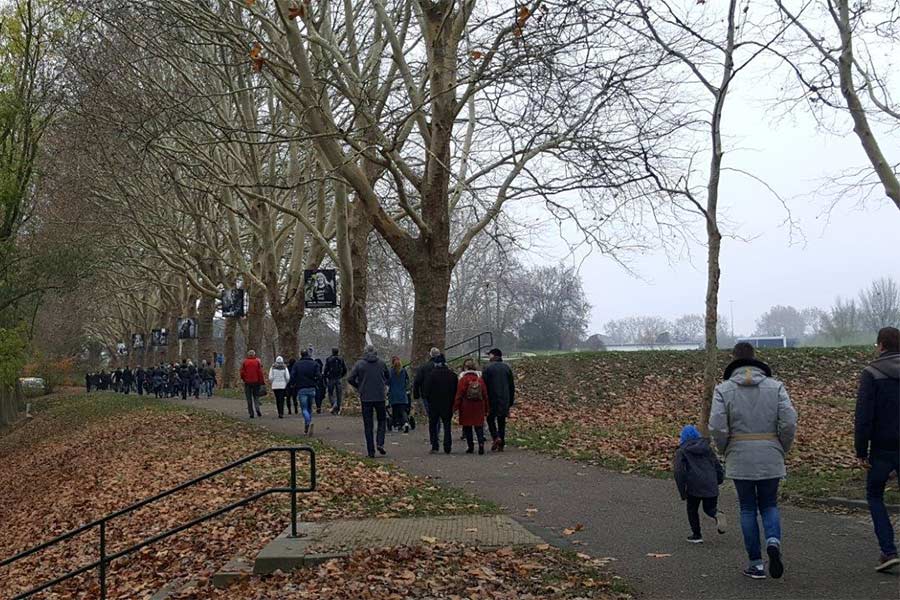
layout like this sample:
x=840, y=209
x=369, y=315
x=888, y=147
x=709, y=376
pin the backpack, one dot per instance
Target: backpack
x=473, y=391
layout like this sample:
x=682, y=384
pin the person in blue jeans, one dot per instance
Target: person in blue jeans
x=877, y=436
x=753, y=423
x=305, y=375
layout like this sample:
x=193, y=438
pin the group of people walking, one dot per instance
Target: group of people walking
x=297, y=385
x=387, y=391
x=166, y=380
x=753, y=424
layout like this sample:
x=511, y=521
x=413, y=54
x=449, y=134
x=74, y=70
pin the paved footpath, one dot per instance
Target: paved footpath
x=627, y=517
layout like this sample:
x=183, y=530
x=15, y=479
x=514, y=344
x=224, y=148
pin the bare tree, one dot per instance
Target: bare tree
x=879, y=304
x=836, y=57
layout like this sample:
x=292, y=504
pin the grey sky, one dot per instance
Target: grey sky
x=839, y=255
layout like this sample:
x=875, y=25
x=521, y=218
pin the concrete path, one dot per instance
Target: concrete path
x=638, y=520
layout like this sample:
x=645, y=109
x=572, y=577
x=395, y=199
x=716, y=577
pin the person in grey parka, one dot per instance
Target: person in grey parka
x=370, y=377
x=753, y=423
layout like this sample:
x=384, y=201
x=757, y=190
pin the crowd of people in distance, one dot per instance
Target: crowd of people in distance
x=753, y=423
x=387, y=395
x=163, y=381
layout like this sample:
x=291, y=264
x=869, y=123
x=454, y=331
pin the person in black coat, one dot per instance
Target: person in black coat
x=501, y=390
x=877, y=436
x=698, y=475
x=440, y=390
x=139, y=379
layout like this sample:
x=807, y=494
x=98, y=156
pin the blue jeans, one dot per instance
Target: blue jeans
x=759, y=497
x=883, y=463
x=306, y=396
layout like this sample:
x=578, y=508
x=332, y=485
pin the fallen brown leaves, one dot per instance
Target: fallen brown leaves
x=84, y=457
x=451, y=572
x=625, y=409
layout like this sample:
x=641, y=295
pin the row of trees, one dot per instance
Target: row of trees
x=225, y=141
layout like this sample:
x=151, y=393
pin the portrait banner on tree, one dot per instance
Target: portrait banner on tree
x=187, y=328
x=159, y=337
x=233, y=302
x=137, y=341
x=320, y=288
x=121, y=348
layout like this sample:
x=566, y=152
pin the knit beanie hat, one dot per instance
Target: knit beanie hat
x=689, y=432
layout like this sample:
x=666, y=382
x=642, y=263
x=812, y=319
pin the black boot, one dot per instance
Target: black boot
x=481, y=448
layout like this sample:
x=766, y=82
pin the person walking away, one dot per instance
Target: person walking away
x=418, y=389
x=252, y=376
x=471, y=402
x=127, y=380
x=877, y=436
x=139, y=379
x=207, y=378
x=305, y=374
x=753, y=423
x=117, y=379
x=440, y=390
x=320, y=387
x=184, y=378
x=279, y=378
x=370, y=378
x=501, y=390
x=87, y=382
x=335, y=370
x=291, y=390
x=398, y=386
x=698, y=475
x=195, y=379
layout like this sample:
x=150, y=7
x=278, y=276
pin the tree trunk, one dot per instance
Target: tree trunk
x=205, y=322
x=287, y=323
x=432, y=285
x=229, y=363
x=255, y=318
x=711, y=354
x=172, y=350
x=354, y=320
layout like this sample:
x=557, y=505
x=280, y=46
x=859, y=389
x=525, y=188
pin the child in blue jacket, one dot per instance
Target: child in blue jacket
x=698, y=475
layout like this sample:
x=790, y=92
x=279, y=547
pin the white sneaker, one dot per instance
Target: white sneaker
x=721, y=522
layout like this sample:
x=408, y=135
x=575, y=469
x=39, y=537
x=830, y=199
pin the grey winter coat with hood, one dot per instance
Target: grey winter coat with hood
x=752, y=421
x=370, y=377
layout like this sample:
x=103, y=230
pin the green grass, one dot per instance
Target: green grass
x=804, y=484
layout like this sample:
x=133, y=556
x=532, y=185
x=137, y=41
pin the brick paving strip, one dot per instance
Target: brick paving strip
x=638, y=520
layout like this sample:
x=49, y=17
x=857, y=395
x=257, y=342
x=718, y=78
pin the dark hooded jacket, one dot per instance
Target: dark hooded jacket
x=878, y=406
x=422, y=374
x=370, y=377
x=305, y=373
x=440, y=389
x=698, y=471
x=501, y=387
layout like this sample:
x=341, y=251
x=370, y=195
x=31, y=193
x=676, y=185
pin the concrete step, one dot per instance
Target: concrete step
x=175, y=587
x=235, y=569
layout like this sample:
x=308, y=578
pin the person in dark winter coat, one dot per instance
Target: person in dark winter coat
x=87, y=382
x=698, y=475
x=501, y=391
x=472, y=404
x=127, y=380
x=306, y=374
x=877, y=436
x=440, y=390
x=398, y=395
x=320, y=386
x=335, y=370
x=370, y=377
x=139, y=380
x=291, y=391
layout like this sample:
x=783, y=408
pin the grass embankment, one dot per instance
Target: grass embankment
x=82, y=457
x=623, y=410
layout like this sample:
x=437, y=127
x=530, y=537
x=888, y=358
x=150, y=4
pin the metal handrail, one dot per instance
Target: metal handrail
x=489, y=337
x=105, y=559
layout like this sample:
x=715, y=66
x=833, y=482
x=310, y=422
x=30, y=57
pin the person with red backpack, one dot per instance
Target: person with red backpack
x=472, y=404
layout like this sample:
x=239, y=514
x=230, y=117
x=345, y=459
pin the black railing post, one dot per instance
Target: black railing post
x=293, y=493
x=103, y=560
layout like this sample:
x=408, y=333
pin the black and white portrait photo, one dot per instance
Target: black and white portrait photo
x=137, y=341
x=121, y=348
x=233, y=302
x=187, y=328
x=320, y=288
x=159, y=337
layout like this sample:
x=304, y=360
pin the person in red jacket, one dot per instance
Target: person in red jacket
x=252, y=376
x=472, y=404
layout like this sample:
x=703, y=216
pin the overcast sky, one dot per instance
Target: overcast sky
x=840, y=255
